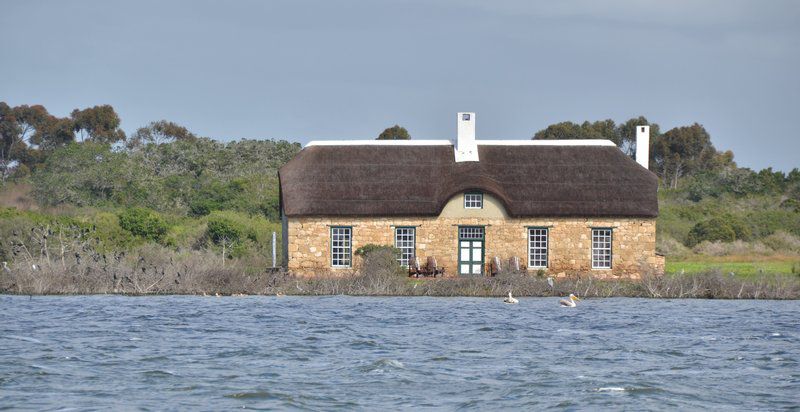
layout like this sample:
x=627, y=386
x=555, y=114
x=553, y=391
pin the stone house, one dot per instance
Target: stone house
x=569, y=207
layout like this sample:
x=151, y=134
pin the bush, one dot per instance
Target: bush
x=381, y=262
x=144, y=223
x=712, y=230
x=224, y=230
x=736, y=247
x=370, y=248
x=668, y=246
x=783, y=242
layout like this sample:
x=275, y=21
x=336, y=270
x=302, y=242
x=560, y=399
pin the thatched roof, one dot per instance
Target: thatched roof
x=531, y=181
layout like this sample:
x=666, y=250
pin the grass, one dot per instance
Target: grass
x=745, y=268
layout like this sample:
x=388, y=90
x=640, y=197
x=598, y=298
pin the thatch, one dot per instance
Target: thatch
x=531, y=181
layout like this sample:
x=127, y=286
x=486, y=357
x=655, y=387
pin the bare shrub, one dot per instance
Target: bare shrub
x=668, y=246
x=156, y=270
x=737, y=247
x=783, y=242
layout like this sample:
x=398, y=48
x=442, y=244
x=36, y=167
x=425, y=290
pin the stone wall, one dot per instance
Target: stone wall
x=633, y=248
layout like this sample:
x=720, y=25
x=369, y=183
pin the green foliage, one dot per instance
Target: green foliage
x=159, y=132
x=681, y=151
x=99, y=124
x=82, y=174
x=144, y=223
x=371, y=248
x=712, y=230
x=395, y=132
x=193, y=176
x=623, y=135
x=222, y=230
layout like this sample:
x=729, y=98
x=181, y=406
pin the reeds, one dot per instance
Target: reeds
x=157, y=271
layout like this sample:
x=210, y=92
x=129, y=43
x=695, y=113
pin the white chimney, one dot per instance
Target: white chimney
x=643, y=146
x=466, y=149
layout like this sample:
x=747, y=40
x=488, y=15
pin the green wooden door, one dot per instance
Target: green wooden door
x=471, y=244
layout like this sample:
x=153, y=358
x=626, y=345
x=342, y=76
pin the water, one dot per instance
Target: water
x=206, y=353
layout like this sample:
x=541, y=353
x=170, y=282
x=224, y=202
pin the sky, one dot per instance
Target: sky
x=320, y=69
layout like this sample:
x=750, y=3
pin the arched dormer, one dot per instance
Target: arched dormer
x=463, y=205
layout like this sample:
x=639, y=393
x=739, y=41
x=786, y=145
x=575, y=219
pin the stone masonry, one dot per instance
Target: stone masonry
x=633, y=247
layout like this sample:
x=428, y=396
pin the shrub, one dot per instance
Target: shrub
x=144, y=223
x=715, y=229
x=736, y=247
x=370, y=248
x=222, y=230
x=668, y=246
x=381, y=262
x=783, y=242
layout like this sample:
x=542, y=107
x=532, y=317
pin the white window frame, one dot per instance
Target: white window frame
x=602, y=248
x=473, y=200
x=538, y=246
x=341, y=247
x=405, y=239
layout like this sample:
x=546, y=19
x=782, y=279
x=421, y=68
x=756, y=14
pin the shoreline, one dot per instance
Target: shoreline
x=711, y=285
x=127, y=295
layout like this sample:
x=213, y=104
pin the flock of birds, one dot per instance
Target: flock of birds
x=570, y=301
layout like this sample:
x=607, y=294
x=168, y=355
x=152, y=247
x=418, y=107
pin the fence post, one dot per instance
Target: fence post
x=273, y=249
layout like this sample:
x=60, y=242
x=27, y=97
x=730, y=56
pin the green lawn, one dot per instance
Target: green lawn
x=739, y=268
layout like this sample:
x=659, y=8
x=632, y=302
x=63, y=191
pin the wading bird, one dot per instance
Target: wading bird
x=510, y=299
x=570, y=301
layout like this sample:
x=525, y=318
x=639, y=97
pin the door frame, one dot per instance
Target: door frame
x=483, y=249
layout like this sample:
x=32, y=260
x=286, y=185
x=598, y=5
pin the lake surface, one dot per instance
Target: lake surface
x=208, y=353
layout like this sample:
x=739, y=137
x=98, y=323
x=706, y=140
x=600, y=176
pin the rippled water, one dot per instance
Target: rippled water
x=177, y=352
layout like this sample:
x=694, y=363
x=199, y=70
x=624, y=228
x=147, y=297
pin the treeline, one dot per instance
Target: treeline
x=162, y=186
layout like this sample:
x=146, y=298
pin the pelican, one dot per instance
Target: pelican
x=510, y=299
x=569, y=303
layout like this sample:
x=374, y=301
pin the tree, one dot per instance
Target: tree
x=627, y=134
x=603, y=129
x=681, y=151
x=99, y=124
x=160, y=132
x=9, y=137
x=395, y=132
x=144, y=223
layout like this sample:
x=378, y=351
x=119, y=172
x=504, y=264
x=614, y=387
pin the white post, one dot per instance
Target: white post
x=643, y=146
x=273, y=249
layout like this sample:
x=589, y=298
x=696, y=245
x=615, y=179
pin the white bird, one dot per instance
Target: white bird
x=569, y=303
x=5, y=267
x=510, y=299
x=550, y=281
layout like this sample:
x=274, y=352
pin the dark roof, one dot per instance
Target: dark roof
x=545, y=181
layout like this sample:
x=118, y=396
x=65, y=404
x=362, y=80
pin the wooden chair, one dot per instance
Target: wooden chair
x=434, y=269
x=494, y=266
x=415, y=269
x=513, y=264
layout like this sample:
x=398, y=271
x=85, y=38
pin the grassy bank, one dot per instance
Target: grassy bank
x=199, y=273
x=747, y=266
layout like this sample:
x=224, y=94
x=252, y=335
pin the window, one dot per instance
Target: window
x=601, y=248
x=341, y=247
x=537, y=247
x=465, y=117
x=473, y=200
x=404, y=238
x=470, y=232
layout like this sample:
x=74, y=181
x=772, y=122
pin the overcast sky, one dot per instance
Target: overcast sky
x=307, y=70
